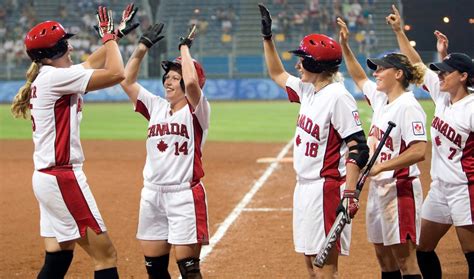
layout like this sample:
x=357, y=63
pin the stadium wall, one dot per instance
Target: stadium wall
x=215, y=89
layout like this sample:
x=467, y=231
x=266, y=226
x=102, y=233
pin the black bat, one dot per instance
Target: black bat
x=342, y=218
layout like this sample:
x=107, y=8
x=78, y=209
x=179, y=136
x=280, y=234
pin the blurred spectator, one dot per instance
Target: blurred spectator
x=324, y=20
x=3, y=14
x=226, y=26
x=356, y=8
x=371, y=43
x=284, y=22
x=63, y=14
x=226, y=17
x=194, y=18
x=219, y=14
x=85, y=6
x=144, y=20
x=88, y=21
x=360, y=38
x=10, y=6
x=202, y=25
x=3, y=31
x=226, y=38
x=300, y=24
x=28, y=17
x=314, y=17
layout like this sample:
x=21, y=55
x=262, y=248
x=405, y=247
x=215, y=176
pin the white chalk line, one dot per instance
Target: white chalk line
x=266, y=209
x=206, y=250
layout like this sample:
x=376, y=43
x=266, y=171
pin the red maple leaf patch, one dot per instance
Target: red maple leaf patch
x=437, y=141
x=298, y=140
x=162, y=146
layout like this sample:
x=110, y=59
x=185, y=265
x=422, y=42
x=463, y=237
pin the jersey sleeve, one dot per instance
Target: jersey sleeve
x=431, y=84
x=70, y=80
x=413, y=127
x=203, y=112
x=374, y=97
x=146, y=102
x=296, y=89
x=345, y=117
x=471, y=114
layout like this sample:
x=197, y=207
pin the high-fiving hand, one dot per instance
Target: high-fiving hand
x=152, y=35
x=188, y=40
x=343, y=31
x=126, y=26
x=106, y=24
x=442, y=43
x=266, y=22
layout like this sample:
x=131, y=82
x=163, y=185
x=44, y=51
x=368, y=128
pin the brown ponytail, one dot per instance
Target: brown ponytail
x=21, y=102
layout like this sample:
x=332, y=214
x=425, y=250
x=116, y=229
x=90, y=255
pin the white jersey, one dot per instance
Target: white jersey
x=407, y=114
x=56, y=112
x=452, y=135
x=175, y=141
x=325, y=119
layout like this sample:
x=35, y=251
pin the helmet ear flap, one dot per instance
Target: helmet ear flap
x=312, y=65
x=318, y=67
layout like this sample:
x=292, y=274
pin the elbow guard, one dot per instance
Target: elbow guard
x=361, y=155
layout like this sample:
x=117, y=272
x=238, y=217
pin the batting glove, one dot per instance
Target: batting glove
x=188, y=40
x=266, y=22
x=349, y=204
x=152, y=35
x=106, y=24
x=126, y=26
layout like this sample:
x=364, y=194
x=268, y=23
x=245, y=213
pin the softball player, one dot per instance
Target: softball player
x=328, y=127
x=53, y=95
x=450, y=199
x=395, y=194
x=173, y=206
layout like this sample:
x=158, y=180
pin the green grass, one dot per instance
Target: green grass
x=262, y=121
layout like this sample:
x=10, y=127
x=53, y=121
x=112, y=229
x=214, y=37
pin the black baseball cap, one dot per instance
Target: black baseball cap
x=455, y=62
x=390, y=60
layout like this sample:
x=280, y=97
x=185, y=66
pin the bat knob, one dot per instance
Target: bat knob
x=390, y=123
x=318, y=261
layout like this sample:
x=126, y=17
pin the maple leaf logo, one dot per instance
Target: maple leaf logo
x=438, y=141
x=298, y=140
x=162, y=146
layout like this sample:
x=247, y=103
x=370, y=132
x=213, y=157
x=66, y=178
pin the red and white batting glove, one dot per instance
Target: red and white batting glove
x=106, y=24
x=349, y=203
x=126, y=25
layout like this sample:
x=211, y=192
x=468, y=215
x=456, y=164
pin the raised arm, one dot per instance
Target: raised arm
x=113, y=72
x=274, y=66
x=395, y=21
x=147, y=40
x=353, y=67
x=97, y=59
x=190, y=77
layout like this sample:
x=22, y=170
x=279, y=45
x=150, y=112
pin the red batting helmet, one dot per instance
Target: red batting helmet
x=320, y=53
x=47, y=40
x=166, y=65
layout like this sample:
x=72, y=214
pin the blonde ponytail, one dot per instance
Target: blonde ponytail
x=418, y=73
x=21, y=102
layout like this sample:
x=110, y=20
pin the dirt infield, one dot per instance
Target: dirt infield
x=257, y=245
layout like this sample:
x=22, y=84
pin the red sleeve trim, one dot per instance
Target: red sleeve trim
x=141, y=108
x=292, y=95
